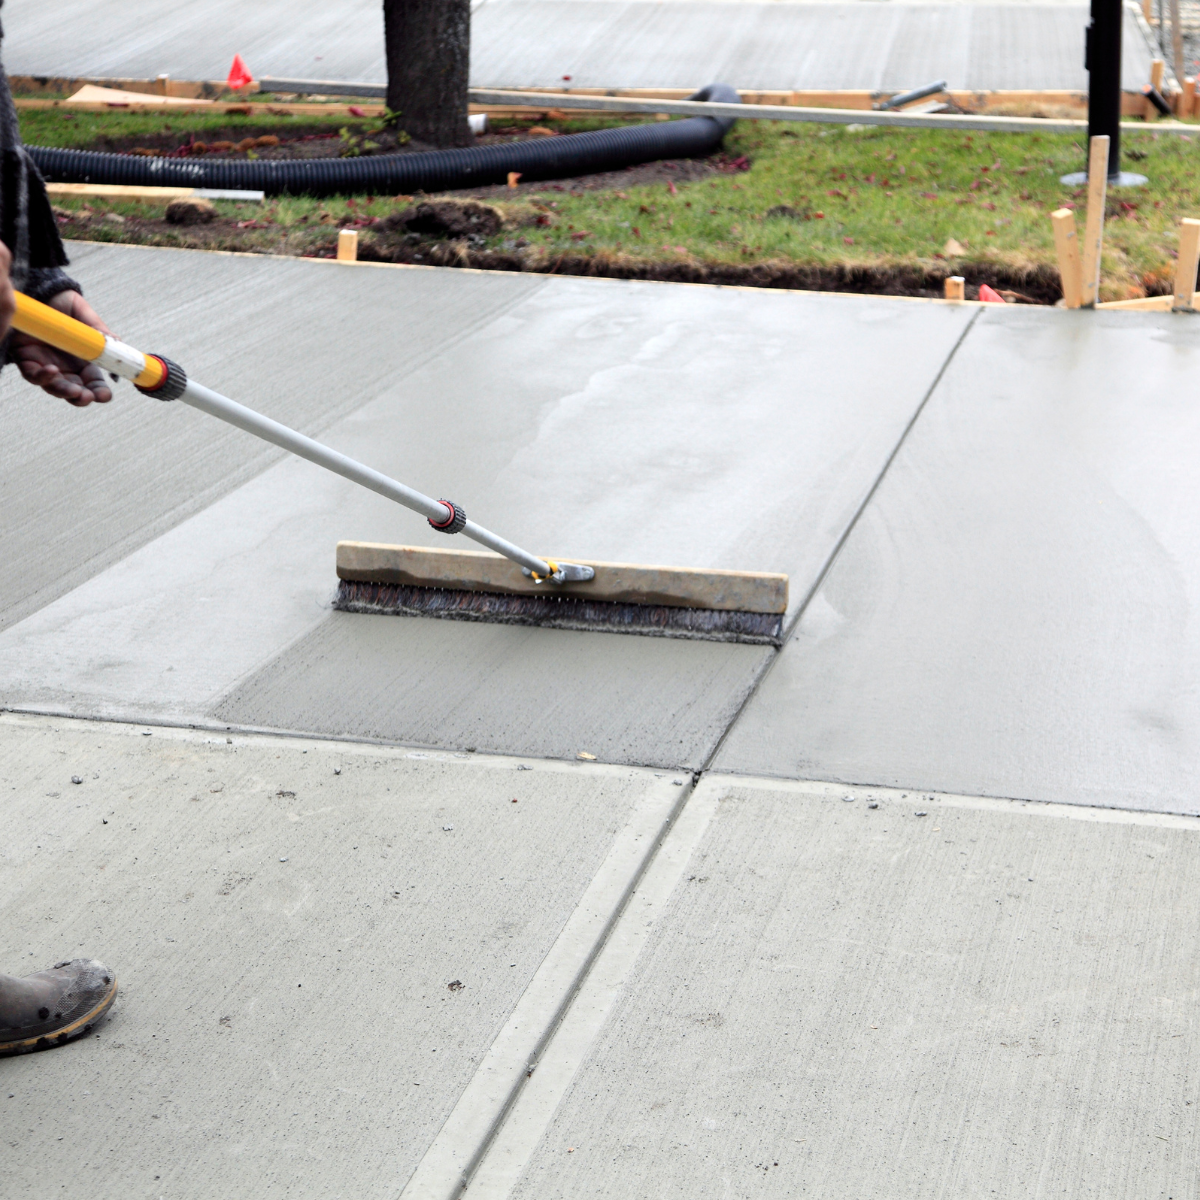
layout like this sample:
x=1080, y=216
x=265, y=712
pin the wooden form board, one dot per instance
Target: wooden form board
x=90, y=94
x=118, y=191
x=37, y=92
x=620, y=583
x=1142, y=304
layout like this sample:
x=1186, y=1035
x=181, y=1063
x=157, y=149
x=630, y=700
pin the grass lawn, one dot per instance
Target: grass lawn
x=831, y=200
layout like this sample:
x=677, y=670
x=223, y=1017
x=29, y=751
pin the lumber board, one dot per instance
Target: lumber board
x=1142, y=304
x=117, y=191
x=618, y=583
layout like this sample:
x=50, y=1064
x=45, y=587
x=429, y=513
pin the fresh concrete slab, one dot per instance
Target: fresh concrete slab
x=831, y=991
x=82, y=488
x=1012, y=615
x=881, y=46
x=598, y=43
x=318, y=946
x=551, y=693
x=609, y=420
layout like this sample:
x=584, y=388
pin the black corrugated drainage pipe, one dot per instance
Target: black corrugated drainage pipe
x=437, y=170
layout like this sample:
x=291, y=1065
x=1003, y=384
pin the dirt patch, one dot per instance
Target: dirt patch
x=1036, y=285
x=448, y=219
x=393, y=240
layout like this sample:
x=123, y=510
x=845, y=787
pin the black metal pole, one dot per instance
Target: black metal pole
x=1102, y=58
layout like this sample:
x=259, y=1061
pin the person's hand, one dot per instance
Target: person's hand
x=62, y=375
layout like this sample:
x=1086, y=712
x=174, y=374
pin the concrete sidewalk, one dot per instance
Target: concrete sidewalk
x=905, y=908
x=598, y=43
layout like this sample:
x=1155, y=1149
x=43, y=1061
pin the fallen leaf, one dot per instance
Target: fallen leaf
x=513, y=176
x=953, y=247
x=355, y=111
x=586, y=755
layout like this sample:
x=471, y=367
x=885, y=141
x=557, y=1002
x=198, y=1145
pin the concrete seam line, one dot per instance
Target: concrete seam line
x=509, y=1154
x=452, y=1157
x=918, y=797
x=350, y=746
x=827, y=566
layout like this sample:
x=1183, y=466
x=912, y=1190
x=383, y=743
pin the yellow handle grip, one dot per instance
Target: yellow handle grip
x=57, y=329
x=65, y=333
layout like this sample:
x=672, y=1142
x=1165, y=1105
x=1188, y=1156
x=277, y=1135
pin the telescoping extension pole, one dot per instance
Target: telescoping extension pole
x=162, y=379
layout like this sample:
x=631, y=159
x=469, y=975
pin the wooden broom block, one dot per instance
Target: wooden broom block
x=1066, y=247
x=1186, y=264
x=1093, y=236
x=954, y=287
x=618, y=583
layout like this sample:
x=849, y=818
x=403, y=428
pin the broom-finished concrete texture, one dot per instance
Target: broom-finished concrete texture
x=319, y=947
x=1014, y=614
x=598, y=43
x=609, y=420
x=951, y=998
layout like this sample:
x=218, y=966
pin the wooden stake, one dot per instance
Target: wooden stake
x=1186, y=264
x=1176, y=41
x=954, y=288
x=1066, y=246
x=347, y=245
x=1187, y=98
x=1093, y=237
x=1148, y=11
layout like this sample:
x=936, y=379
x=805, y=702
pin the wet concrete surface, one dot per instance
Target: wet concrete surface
x=598, y=43
x=1013, y=615
x=315, y=944
x=604, y=419
x=991, y=999
x=994, y=997
x=83, y=488
x=552, y=693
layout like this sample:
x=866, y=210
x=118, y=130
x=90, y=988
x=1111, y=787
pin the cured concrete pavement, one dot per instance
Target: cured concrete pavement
x=927, y=927
x=598, y=43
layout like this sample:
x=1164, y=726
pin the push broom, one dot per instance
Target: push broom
x=508, y=585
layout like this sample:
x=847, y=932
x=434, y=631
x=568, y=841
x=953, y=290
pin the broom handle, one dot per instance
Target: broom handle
x=156, y=376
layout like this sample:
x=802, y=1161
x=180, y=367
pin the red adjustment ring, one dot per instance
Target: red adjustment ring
x=172, y=384
x=454, y=523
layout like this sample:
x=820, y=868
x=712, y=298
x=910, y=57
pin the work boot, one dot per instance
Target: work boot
x=54, y=1006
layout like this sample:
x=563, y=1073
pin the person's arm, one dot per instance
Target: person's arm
x=40, y=273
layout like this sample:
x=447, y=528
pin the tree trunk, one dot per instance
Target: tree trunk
x=428, y=47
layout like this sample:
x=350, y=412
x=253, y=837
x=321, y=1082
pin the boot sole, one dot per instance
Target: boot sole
x=68, y=1033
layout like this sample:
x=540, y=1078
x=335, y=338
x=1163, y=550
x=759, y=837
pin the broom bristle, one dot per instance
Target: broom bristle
x=560, y=612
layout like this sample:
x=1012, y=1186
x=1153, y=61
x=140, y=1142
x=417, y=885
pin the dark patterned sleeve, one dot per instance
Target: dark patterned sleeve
x=43, y=274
